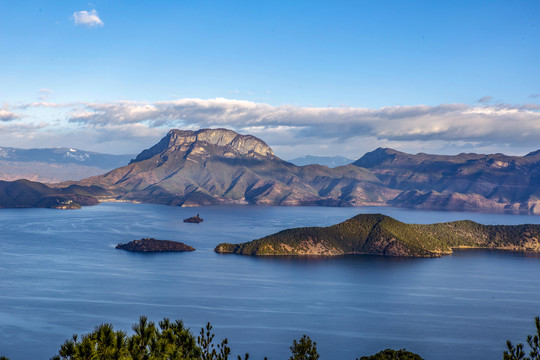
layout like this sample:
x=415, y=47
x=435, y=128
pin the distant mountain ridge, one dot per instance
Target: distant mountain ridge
x=55, y=164
x=330, y=161
x=220, y=166
x=64, y=156
x=494, y=182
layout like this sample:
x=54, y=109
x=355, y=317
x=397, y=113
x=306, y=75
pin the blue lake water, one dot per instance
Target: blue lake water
x=60, y=274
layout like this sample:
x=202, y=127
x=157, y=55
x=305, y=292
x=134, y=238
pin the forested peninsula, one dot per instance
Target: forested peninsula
x=377, y=234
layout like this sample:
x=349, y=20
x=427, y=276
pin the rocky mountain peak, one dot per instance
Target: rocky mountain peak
x=209, y=142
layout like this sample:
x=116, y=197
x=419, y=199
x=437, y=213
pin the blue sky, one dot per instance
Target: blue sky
x=282, y=56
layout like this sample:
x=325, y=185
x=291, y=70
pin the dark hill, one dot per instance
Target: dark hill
x=378, y=234
x=25, y=194
x=153, y=245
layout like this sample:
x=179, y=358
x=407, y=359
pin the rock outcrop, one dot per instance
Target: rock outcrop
x=207, y=143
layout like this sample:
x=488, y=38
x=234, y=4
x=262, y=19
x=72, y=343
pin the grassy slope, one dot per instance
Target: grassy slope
x=382, y=235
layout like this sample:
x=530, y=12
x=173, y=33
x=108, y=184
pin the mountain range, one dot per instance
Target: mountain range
x=330, y=161
x=220, y=166
x=55, y=164
x=494, y=182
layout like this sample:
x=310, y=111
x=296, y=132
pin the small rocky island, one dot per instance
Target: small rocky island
x=376, y=234
x=153, y=245
x=194, y=219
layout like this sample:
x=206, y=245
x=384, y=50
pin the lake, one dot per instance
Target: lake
x=60, y=274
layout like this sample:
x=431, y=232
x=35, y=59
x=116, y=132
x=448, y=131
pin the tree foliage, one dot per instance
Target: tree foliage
x=167, y=341
x=304, y=349
x=517, y=352
x=390, y=354
x=173, y=341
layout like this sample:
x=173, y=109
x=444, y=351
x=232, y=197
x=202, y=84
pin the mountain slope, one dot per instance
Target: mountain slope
x=217, y=166
x=494, y=182
x=25, y=194
x=378, y=234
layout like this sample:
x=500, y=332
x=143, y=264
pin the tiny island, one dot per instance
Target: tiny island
x=377, y=234
x=194, y=219
x=153, y=245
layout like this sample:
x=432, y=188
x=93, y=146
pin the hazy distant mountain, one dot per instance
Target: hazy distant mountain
x=55, y=164
x=216, y=166
x=493, y=182
x=330, y=161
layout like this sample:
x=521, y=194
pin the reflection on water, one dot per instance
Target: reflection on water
x=61, y=275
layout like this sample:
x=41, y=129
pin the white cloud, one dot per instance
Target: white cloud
x=350, y=131
x=87, y=18
x=447, y=122
x=6, y=115
x=45, y=94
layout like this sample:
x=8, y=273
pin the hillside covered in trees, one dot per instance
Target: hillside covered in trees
x=378, y=234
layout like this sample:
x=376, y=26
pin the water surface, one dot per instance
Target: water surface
x=60, y=275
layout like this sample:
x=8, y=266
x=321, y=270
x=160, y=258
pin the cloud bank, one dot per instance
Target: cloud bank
x=500, y=123
x=87, y=18
x=131, y=126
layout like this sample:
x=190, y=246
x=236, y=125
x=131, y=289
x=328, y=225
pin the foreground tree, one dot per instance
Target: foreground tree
x=517, y=352
x=171, y=341
x=209, y=352
x=304, y=349
x=390, y=354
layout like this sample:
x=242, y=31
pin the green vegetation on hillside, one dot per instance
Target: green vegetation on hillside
x=382, y=235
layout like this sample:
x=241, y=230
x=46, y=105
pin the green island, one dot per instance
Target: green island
x=376, y=234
